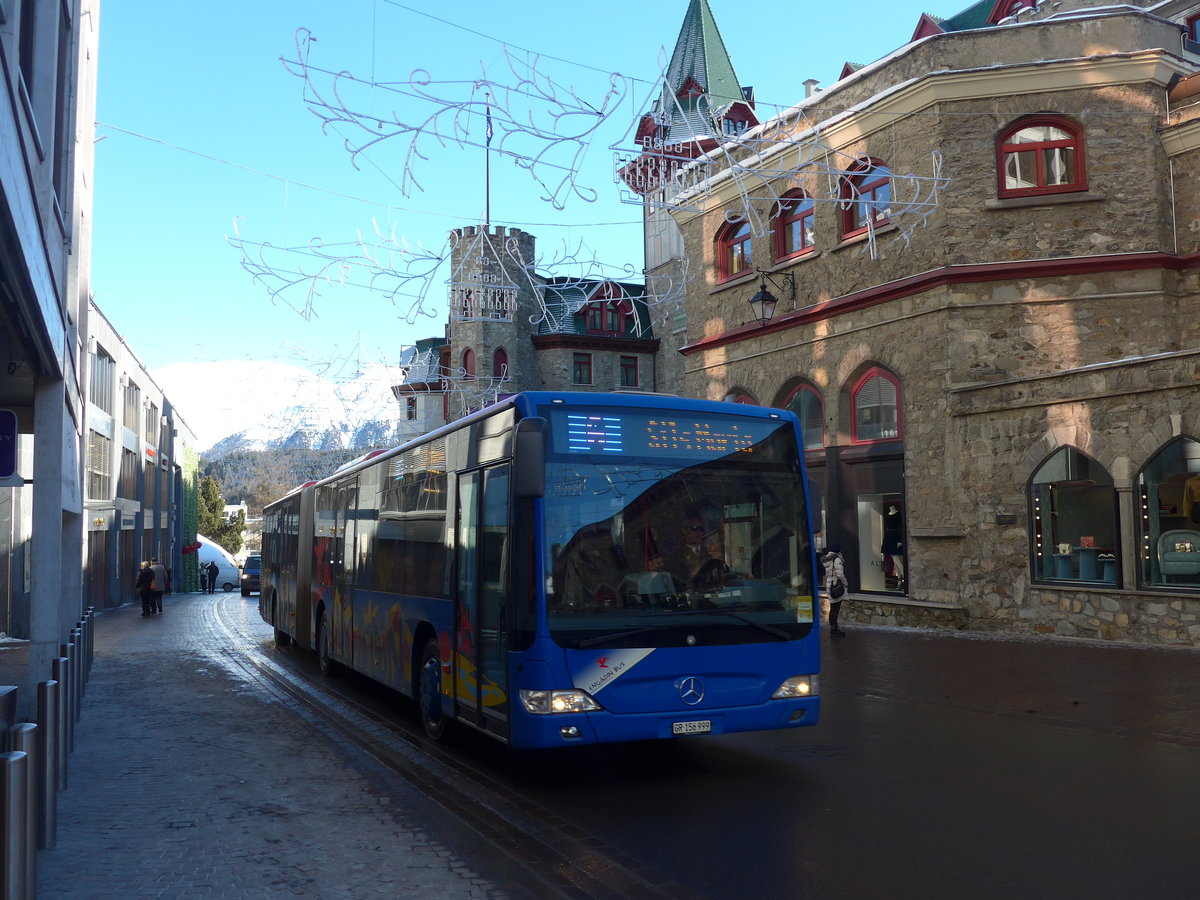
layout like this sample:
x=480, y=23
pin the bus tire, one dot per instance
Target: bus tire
x=429, y=691
x=329, y=668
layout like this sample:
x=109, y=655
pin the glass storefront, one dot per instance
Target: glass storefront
x=1074, y=515
x=881, y=543
x=1168, y=513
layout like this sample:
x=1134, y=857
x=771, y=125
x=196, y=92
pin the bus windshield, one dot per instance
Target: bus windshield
x=674, y=530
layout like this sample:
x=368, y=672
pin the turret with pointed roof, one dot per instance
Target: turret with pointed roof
x=702, y=101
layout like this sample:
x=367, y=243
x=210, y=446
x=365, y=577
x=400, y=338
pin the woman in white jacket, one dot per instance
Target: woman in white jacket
x=835, y=584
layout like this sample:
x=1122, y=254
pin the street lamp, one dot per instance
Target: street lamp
x=763, y=303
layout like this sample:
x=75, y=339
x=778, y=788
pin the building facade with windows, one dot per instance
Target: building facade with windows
x=47, y=68
x=973, y=270
x=140, y=469
x=512, y=328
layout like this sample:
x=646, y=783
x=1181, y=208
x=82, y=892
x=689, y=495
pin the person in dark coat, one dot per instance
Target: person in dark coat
x=212, y=577
x=160, y=577
x=141, y=587
x=203, y=578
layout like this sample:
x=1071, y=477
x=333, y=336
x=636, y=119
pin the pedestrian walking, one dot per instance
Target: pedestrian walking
x=203, y=578
x=160, y=578
x=212, y=577
x=835, y=585
x=144, y=588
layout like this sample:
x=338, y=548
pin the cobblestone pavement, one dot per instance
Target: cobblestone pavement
x=192, y=778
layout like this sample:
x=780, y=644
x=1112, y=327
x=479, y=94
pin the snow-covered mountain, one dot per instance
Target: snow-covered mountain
x=238, y=405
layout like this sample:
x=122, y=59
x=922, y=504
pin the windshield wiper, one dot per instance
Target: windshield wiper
x=615, y=636
x=769, y=629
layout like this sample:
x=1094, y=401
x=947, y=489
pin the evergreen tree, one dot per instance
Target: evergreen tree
x=213, y=525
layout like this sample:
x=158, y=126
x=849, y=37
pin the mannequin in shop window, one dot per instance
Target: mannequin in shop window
x=1191, y=499
x=892, y=547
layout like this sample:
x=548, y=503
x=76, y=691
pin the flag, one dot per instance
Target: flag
x=489, y=124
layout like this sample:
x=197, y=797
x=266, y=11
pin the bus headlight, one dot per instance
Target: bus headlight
x=542, y=703
x=798, y=686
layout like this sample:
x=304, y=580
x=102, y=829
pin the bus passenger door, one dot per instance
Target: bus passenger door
x=481, y=612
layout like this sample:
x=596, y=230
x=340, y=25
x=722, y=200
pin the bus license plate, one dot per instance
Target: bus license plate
x=704, y=726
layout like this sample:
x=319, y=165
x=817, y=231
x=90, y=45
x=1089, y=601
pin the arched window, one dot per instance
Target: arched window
x=808, y=406
x=468, y=363
x=1169, y=516
x=793, y=225
x=876, y=400
x=500, y=363
x=1073, y=512
x=740, y=397
x=733, y=251
x=866, y=197
x=1041, y=155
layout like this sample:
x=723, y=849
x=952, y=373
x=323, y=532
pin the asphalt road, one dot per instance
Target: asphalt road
x=943, y=766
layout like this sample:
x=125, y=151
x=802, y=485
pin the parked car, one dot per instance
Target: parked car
x=251, y=574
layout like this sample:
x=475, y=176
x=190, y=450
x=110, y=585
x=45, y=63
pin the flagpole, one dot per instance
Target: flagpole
x=487, y=169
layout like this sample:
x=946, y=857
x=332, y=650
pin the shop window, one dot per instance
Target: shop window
x=500, y=364
x=581, y=368
x=410, y=408
x=1169, y=516
x=866, y=198
x=876, y=401
x=793, y=226
x=734, y=251
x=1073, y=511
x=1041, y=156
x=806, y=403
x=629, y=371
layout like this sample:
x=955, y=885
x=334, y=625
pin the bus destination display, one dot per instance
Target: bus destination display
x=656, y=435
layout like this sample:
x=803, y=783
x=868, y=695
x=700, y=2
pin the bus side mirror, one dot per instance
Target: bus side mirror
x=529, y=459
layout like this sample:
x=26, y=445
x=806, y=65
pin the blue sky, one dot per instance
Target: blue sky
x=200, y=123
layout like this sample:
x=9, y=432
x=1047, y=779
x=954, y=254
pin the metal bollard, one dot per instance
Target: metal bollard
x=91, y=646
x=47, y=767
x=79, y=636
x=68, y=652
x=23, y=738
x=61, y=670
x=14, y=777
x=77, y=671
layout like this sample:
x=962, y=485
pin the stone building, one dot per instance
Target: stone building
x=973, y=269
x=511, y=328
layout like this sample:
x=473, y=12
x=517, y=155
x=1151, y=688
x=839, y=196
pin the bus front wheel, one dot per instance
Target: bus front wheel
x=429, y=691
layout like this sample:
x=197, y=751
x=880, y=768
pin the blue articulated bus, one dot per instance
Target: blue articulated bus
x=565, y=568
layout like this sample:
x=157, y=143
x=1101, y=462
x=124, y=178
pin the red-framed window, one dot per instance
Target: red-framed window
x=734, y=251
x=468, y=363
x=581, y=368
x=605, y=318
x=500, y=363
x=809, y=407
x=793, y=225
x=1193, y=28
x=1042, y=155
x=748, y=399
x=866, y=197
x=876, y=403
x=629, y=371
